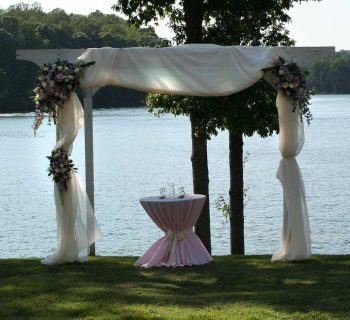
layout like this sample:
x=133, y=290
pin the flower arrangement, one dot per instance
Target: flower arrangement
x=290, y=79
x=54, y=85
x=60, y=168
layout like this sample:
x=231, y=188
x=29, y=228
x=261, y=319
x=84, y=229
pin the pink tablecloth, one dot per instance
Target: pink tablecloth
x=180, y=246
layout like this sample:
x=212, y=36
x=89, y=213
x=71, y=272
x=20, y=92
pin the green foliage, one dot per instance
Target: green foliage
x=249, y=111
x=332, y=75
x=202, y=107
x=239, y=22
x=223, y=206
x=26, y=26
x=229, y=288
x=225, y=23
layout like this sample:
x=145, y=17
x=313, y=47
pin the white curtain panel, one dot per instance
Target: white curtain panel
x=76, y=225
x=295, y=231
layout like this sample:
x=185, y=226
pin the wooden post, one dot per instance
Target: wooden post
x=89, y=150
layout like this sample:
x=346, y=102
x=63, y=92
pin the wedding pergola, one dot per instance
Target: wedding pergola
x=197, y=70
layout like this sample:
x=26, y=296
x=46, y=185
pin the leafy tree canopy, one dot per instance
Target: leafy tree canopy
x=24, y=26
x=224, y=22
x=332, y=75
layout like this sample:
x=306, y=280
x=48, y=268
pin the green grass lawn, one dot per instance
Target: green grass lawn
x=238, y=287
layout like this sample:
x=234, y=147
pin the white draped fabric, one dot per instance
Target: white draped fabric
x=211, y=70
x=295, y=233
x=76, y=225
x=197, y=70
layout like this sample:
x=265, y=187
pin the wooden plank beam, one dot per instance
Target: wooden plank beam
x=42, y=56
x=305, y=56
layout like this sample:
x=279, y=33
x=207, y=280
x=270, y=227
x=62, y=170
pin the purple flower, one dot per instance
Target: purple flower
x=289, y=77
x=60, y=168
x=49, y=90
x=59, y=77
x=54, y=84
x=51, y=74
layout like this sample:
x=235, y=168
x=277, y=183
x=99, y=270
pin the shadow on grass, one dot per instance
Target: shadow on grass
x=110, y=287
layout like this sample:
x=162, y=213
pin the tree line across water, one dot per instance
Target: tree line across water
x=331, y=75
x=25, y=26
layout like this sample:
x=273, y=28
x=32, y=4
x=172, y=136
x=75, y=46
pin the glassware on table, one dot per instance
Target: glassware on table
x=162, y=193
x=171, y=189
x=181, y=192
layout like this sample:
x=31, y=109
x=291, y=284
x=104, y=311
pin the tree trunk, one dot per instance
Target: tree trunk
x=236, y=193
x=193, y=11
x=200, y=173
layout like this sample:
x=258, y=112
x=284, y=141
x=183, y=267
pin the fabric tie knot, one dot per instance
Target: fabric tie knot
x=174, y=237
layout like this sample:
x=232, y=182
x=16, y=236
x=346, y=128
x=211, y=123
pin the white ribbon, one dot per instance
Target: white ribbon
x=173, y=239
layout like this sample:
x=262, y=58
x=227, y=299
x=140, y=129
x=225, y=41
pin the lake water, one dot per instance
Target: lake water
x=136, y=154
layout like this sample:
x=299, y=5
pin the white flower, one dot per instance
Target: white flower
x=77, y=70
x=59, y=68
x=285, y=85
x=52, y=83
x=280, y=72
x=54, y=66
x=43, y=84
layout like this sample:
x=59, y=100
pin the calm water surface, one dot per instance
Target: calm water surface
x=136, y=154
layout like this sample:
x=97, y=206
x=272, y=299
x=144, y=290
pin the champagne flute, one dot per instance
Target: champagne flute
x=181, y=192
x=162, y=193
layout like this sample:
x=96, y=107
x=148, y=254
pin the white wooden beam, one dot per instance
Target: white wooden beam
x=305, y=56
x=42, y=56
